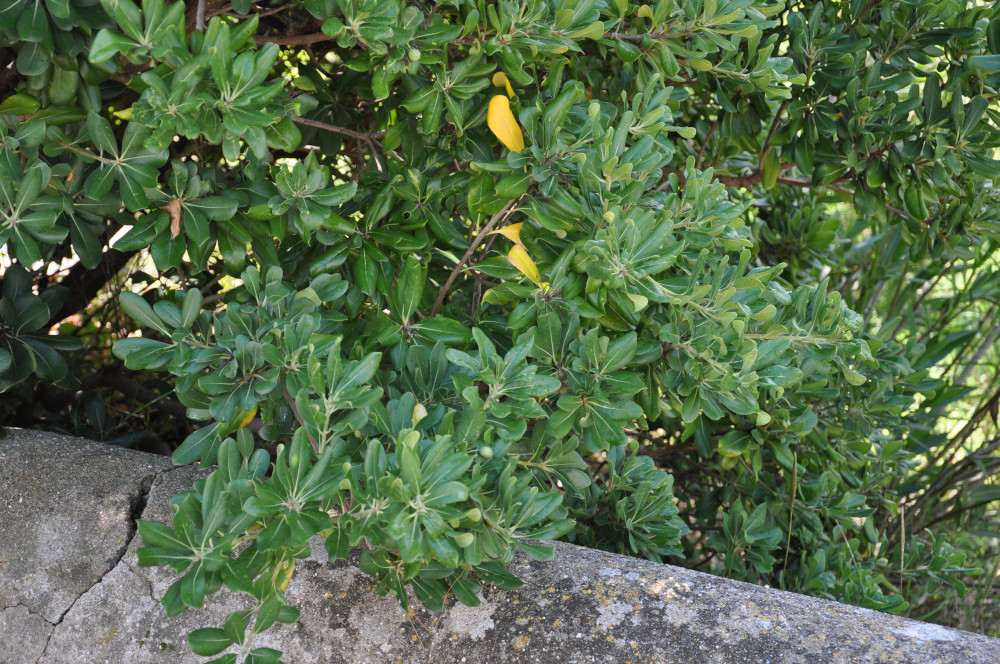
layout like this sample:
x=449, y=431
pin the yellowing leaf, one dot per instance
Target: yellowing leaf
x=124, y=114
x=644, y=12
x=512, y=233
x=502, y=123
x=247, y=417
x=520, y=259
x=500, y=80
x=287, y=574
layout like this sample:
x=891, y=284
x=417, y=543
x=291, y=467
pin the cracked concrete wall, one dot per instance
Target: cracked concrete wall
x=71, y=591
x=67, y=515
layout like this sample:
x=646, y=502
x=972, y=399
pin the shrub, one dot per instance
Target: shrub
x=483, y=263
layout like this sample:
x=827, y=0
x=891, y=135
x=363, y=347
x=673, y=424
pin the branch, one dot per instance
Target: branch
x=655, y=36
x=364, y=136
x=507, y=210
x=770, y=133
x=749, y=180
x=199, y=17
x=701, y=152
x=296, y=40
x=84, y=284
x=371, y=138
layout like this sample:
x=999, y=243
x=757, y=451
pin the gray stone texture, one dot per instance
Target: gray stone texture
x=68, y=594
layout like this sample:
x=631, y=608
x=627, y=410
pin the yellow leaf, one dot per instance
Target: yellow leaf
x=501, y=122
x=512, y=233
x=520, y=259
x=500, y=80
x=644, y=12
x=124, y=114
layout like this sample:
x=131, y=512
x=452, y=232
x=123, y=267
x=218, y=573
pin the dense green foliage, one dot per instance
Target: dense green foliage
x=719, y=309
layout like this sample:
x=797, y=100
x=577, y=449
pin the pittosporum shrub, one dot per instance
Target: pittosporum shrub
x=494, y=273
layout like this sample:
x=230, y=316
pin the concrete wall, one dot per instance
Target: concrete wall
x=71, y=591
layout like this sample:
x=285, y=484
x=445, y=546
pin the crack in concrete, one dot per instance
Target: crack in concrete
x=136, y=516
x=28, y=609
x=138, y=499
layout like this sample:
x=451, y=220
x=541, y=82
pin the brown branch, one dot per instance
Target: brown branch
x=295, y=40
x=655, y=36
x=770, y=133
x=864, y=13
x=747, y=180
x=270, y=12
x=371, y=136
x=505, y=212
x=701, y=151
x=84, y=284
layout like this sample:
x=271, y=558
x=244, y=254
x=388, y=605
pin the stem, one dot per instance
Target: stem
x=701, y=151
x=767, y=141
x=199, y=17
x=297, y=40
x=364, y=136
x=505, y=212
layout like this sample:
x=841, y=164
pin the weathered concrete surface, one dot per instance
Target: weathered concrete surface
x=66, y=516
x=584, y=606
x=22, y=634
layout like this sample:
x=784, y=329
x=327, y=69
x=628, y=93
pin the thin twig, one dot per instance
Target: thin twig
x=505, y=212
x=364, y=136
x=701, y=151
x=750, y=180
x=269, y=12
x=767, y=140
x=655, y=36
x=296, y=40
x=371, y=138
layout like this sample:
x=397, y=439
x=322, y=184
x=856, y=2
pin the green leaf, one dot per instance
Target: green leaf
x=208, y=641
x=536, y=551
x=140, y=310
x=127, y=16
x=19, y=104
x=593, y=31
x=217, y=208
x=199, y=445
x=33, y=24
x=49, y=365
x=85, y=243
x=107, y=45
x=986, y=63
x=513, y=186
x=34, y=58
x=191, y=307
x=140, y=353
